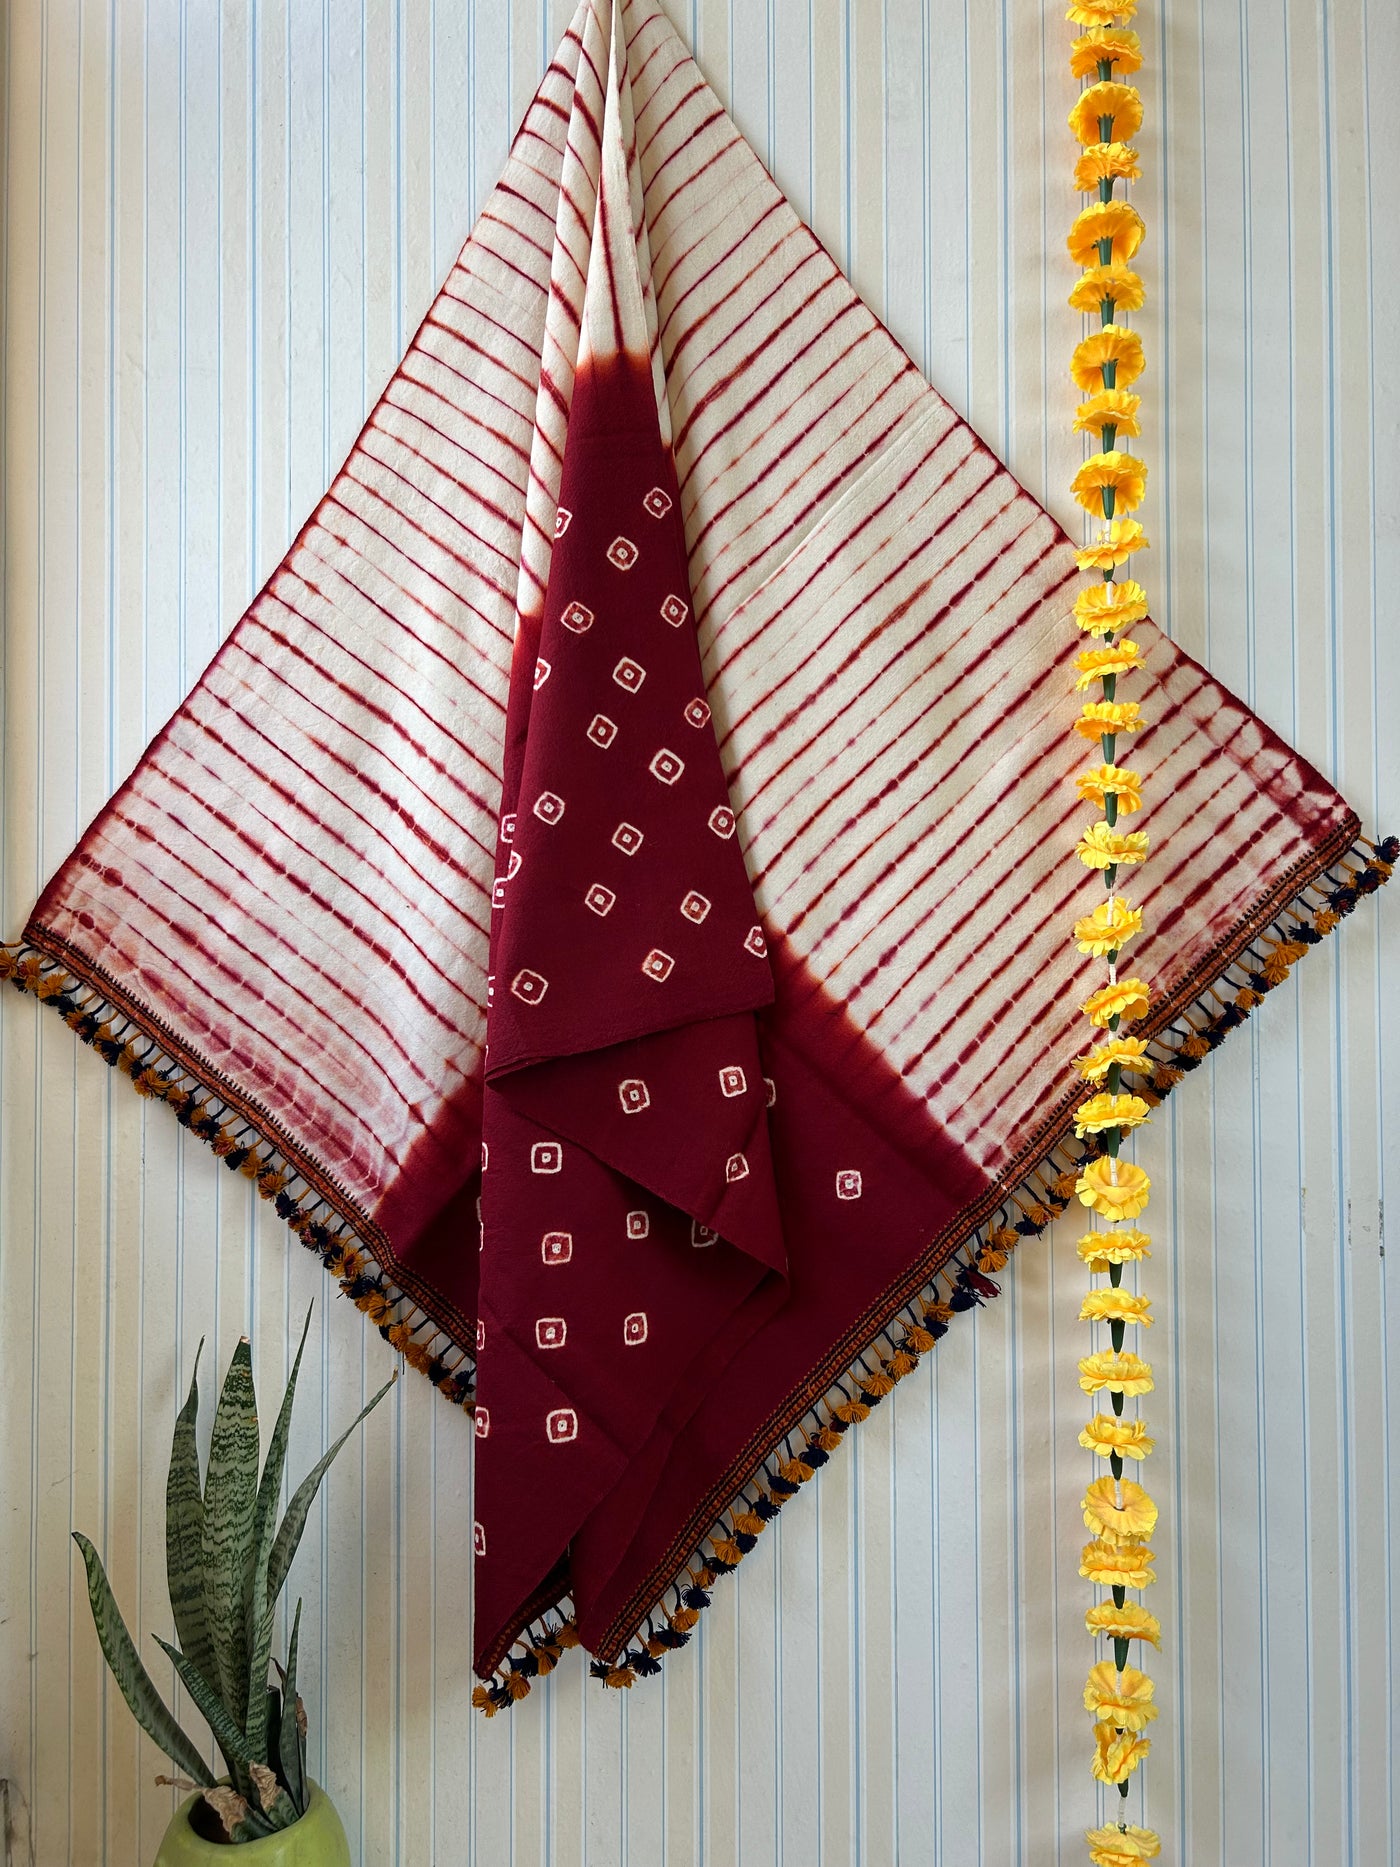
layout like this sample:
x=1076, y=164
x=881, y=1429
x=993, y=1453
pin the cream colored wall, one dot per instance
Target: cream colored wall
x=220, y=225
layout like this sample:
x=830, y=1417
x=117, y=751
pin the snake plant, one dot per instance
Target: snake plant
x=227, y=1556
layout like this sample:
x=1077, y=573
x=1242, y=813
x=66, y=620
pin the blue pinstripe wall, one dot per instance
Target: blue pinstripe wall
x=218, y=226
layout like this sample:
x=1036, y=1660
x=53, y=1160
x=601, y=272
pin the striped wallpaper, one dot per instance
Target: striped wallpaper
x=220, y=226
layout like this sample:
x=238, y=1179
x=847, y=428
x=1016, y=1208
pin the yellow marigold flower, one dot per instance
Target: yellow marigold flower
x=1117, y=222
x=1100, y=12
x=1113, y=922
x=1099, y=664
x=1121, y=286
x=1114, y=545
x=1124, y=475
x=1118, y=1510
x=1105, y=162
x=1130, y=1622
x=1103, y=719
x=1129, y=1844
x=1121, y=1373
x=1100, y=782
x=1107, y=1435
x=1125, y=999
x=1101, y=1112
x=1105, y=45
x=1129, y=1053
x=1115, y=1304
x=1123, y=1699
x=1114, y=344
x=1104, y=608
x=1103, y=847
x=1111, y=1566
x=1117, y=408
x=1100, y=1249
x=1120, y=103
x=1116, y=1189
x=1117, y=1755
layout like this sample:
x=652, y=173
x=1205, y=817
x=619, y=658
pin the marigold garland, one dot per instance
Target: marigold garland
x=1104, y=239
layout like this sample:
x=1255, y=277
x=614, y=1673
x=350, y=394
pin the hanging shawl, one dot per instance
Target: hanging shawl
x=608, y=889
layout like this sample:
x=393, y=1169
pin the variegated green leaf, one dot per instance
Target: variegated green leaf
x=258, y=1609
x=230, y=1495
x=205, y=1694
x=294, y=1522
x=289, y=1739
x=184, y=1532
x=259, y=1659
x=148, y=1707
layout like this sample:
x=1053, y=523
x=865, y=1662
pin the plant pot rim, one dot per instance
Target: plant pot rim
x=269, y=1845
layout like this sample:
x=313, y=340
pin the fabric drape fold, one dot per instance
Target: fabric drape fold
x=596, y=884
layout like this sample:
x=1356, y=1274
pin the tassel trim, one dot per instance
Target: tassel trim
x=126, y=1047
x=964, y=1281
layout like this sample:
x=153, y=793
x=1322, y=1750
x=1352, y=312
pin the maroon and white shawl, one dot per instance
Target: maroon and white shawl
x=609, y=889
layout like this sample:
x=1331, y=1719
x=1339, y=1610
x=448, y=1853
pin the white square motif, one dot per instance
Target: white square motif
x=629, y=674
x=550, y=1332
x=657, y=965
x=513, y=863
x=634, y=1095
x=546, y=1157
x=623, y=553
x=674, y=611
x=560, y=1426
x=480, y=1335
x=721, y=821
x=701, y=1235
x=755, y=943
x=601, y=730
x=498, y=892
x=483, y=1422
x=657, y=503
x=697, y=713
x=628, y=838
x=736, y=1168
x=578, y=617
x=557, y=1247
x=772, y=1090
x=634, y=1328
x=600, y=899
x=478, y=1540
x=529, y=987
x=732, y=1080
x=562, y=516
x=638, y=1224
x=508, y=826
x=666, y=766
x=848, y=1184
x=541, y=673
x=549, y=807
x=695, y=906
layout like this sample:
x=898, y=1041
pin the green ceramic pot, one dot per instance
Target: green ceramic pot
x=317, y=1840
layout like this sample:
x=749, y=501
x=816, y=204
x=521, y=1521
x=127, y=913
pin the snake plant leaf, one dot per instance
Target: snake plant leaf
x=276, y=1805
x=294, y=1522
x=227, y=1735
x=259, y=1659
x=184, y=1532
x=258, y=1608
x=230, y=1493
x=265, y=1511
x=148, y=1707
x=289, y=1739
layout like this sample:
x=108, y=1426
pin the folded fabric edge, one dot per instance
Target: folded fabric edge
x=131, y=1039
x=880, y=1349
x=951, y=1277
